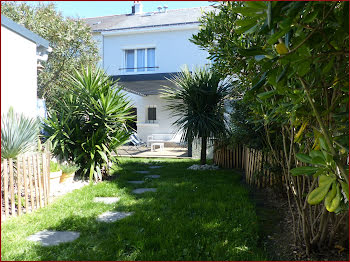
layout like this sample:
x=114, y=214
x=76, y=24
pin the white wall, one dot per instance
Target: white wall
x=18, y=73
x=163, y=125
x=173, y=50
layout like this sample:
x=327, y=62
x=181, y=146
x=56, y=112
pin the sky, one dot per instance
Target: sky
x=84, y=9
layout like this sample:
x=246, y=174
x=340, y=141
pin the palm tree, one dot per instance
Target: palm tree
x=197, y=100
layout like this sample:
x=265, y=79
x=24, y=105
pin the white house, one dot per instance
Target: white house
x=20, y=51
x=142, y=50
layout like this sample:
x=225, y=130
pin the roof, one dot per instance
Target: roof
x=146, y=20
x=145, y=84
x=21, y=30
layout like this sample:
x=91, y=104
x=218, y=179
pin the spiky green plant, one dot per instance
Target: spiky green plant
x=19, y=134
x=88, y=123
x=197, y=100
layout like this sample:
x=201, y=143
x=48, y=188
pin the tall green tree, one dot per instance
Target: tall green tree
x=293, y=58
x=70, y=39
x=197, y=100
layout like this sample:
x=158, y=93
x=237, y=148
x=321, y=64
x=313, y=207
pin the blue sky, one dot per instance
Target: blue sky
x=85, y=9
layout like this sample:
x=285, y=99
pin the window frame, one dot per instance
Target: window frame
x=151, y=121
x=135, y=68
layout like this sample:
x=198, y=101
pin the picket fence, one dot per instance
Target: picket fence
x=258, y=167
x=25, y=184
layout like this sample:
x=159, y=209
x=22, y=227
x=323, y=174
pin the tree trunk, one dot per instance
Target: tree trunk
x=189, y=147
x=204, y=151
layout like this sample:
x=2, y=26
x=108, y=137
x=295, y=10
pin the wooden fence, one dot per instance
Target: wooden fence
x=258, y=167
x=25, y=184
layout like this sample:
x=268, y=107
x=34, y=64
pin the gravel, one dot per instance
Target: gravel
x=203, y=167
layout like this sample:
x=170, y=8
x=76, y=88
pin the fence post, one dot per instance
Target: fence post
x=25, y=166
x=6, y=187
x=19, y=187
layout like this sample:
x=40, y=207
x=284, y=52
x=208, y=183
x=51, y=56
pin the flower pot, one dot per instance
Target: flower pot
x=55, y=178
x=68, y=178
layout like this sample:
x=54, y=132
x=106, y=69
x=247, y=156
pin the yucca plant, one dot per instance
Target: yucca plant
x=19, y=134
x=88, y=123
x=197, y=100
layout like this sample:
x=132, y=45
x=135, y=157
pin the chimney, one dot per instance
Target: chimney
x=165, y=8
x=136, y=8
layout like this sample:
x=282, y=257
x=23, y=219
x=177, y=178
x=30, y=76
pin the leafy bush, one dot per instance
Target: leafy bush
x=293, y=60
x=69, y=168
x=54, y=167
x=89, y=122
x=19, y=134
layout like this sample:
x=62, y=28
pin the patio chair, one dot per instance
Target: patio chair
x=136, y=142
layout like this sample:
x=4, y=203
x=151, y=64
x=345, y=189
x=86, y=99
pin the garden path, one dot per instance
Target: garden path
x=52, y=238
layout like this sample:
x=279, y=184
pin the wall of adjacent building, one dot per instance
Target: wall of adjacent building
x=18, y=73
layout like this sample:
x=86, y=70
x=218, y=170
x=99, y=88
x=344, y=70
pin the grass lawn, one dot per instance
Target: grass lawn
x=194, y=215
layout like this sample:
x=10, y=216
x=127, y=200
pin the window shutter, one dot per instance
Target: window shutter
x=152, y=116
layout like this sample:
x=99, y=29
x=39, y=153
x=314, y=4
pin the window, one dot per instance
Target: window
x=140, y=60
x=152, y=114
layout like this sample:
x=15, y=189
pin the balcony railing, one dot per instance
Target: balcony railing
x=133, y=68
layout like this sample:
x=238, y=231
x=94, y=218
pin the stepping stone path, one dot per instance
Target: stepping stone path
x=143, y=190
x=53, y=238
x=153, y=176
x=110, y=216
x=154, y=167
x=107, y=200
x=136, y=182
x=142, y=172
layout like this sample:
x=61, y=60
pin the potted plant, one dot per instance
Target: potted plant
x=68, y=172
x=55, y=174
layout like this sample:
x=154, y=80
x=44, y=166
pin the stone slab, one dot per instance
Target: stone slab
x=142, y=172
x=153, y=176
x=143, y=190
x=136, y=182
x=112, y=216
x=53, y=238
x=154, y=167
x=107, y=200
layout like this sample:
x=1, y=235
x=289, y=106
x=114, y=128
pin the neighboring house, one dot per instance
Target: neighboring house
x=20, y=51
x=142, y=50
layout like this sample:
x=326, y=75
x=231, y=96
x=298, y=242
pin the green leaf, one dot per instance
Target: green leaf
x=260, y=83
x=267, y=94
x=345, y=188
x=251, y=51
x=323, y=144
x=274, y=38
x=103, y=155
x=304, y=158
x=316, y=153
x=318, y=161
x=325, y=180
x=303, y=68
x=318, y=194
x=304, y=170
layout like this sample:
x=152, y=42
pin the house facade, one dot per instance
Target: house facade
x=142, y=50
x=21, y=50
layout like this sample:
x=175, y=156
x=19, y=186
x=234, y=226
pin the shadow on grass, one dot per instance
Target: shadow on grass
x=194, y=215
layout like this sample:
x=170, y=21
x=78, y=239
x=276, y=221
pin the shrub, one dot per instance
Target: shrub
x=54, y=167
x=19, y=134
x=89, y=122
x=69, y=168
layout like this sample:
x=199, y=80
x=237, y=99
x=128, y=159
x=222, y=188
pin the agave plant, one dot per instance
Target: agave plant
x=19, y=134
x=88, y=122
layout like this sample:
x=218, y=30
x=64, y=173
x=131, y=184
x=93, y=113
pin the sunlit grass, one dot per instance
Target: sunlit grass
x=194, y=215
